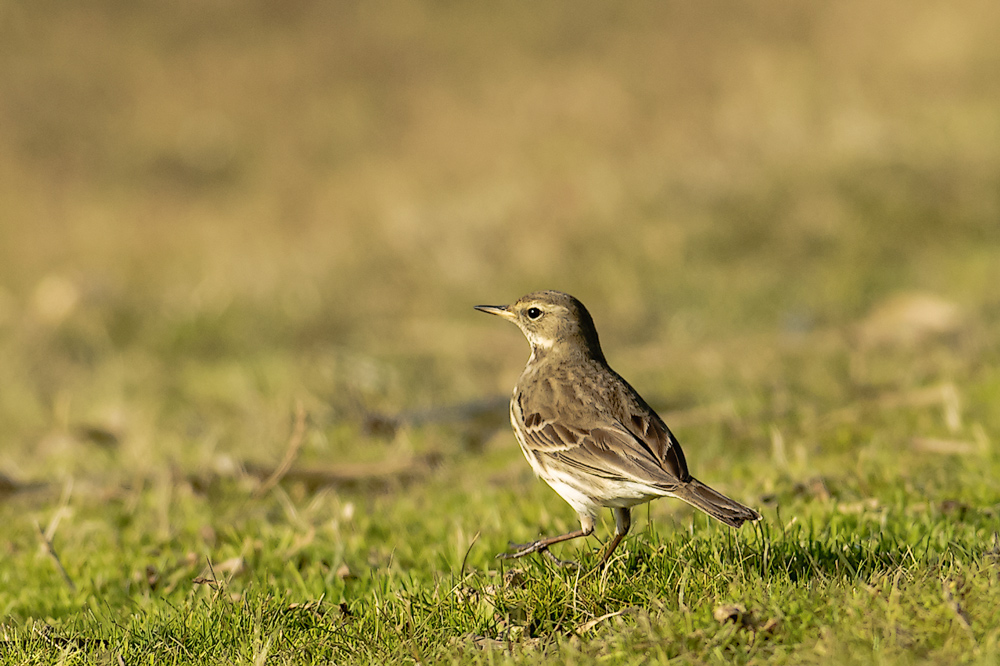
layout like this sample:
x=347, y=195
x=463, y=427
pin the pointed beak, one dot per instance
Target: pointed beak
x=499, y=310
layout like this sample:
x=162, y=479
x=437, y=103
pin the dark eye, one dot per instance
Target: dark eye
x=534, y=313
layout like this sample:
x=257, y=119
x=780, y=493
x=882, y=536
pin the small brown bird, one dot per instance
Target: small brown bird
x=587, y=433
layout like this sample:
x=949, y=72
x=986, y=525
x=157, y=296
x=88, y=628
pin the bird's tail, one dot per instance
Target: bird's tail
x=714, y=503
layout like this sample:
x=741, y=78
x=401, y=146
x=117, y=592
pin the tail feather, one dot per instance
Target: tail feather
x=715, y=504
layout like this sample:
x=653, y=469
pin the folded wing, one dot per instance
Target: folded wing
x=643, y=449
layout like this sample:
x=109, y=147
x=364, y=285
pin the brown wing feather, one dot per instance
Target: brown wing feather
x=649, y=428
x=610, y=452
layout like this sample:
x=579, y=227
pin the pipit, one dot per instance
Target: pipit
x=587, y=433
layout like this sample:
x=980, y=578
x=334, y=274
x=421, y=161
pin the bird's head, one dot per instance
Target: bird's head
x=552, y=321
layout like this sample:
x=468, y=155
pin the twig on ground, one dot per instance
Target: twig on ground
x=50, y=549
x=291, y=452
x=374, y=474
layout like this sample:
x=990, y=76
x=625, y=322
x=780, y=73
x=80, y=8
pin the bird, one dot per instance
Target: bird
x=587, y=433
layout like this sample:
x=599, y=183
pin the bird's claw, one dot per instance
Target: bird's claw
x=559, y=562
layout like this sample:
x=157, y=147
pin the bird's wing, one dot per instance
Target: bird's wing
x=643, y=450
x=646, y=426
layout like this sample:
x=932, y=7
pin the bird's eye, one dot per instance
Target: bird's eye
x=534, y=313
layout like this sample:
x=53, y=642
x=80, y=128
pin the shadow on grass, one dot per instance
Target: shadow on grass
x=838, y=546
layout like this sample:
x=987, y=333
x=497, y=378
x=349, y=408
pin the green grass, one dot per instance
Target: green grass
x=889, y=578
x=212, y=214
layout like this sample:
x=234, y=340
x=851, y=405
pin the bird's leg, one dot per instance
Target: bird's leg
x=623, y=521
x=542, y=545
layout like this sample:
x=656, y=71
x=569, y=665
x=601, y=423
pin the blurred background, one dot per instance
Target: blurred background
x=212, y=209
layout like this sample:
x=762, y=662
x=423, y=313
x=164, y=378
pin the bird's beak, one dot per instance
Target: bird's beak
x=499, y=310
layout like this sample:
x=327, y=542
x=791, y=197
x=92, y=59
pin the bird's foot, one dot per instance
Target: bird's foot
x=522, y=549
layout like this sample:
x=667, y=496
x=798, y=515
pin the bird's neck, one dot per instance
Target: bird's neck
x=541, y=354
x=538, y=354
